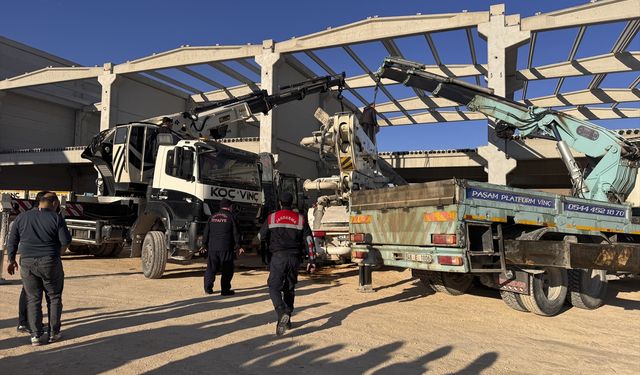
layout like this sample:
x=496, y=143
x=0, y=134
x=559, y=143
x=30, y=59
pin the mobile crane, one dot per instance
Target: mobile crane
x=539, y=249
x=157, y=188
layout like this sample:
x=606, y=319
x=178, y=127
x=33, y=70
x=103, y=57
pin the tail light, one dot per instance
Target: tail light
x=447, y=260
x=443, y=239
x=357, y=237
x=319, y=233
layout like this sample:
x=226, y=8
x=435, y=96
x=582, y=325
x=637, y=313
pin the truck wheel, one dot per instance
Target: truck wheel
x=104, y=250
x=547, y=291
x=587, y=288
x=513, y=300
x=154, y=254
x=451, y=283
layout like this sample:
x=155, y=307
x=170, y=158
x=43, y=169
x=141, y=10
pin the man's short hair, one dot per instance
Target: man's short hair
x=49, y=197
x=286, y=199
x=41, y=194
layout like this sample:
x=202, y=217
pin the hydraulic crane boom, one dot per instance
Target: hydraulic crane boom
x=613, y=173
x=211, y=120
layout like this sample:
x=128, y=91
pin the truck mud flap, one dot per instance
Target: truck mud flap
x=617, y=257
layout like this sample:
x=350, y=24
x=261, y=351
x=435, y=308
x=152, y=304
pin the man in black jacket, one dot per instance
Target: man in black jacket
x=220, y=239
x=288, y=238
x=41, y=236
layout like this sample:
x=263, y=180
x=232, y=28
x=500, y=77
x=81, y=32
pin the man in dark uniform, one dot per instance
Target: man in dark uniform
x=288, y=238
x=41, y=236
x=23, y=320
x=221, y=239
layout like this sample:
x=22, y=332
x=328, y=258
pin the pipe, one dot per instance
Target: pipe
x=330, y=183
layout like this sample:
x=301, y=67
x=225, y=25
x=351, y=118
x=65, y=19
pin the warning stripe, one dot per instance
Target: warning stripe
x=346, y=163
x=73, y=209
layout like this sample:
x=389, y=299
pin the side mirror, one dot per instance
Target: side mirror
x=176, y=161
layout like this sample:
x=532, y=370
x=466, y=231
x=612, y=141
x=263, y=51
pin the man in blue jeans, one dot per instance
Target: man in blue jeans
x=41, y=236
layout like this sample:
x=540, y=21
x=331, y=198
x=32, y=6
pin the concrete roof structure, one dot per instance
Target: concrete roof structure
x=184, y=77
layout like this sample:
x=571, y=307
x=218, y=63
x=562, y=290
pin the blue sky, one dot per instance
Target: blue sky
x=91, y=33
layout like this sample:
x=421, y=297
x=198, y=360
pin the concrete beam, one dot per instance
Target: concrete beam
x=433, y=159
x=584, y=97
x=69, y=155
x=607, y=63
x=376, y=28
x=50, y=75
x=416, y=103
x=452, y=70
x=222, y=94
x=437, y=116
x=587, y=14
x=586, y=113
x=187, y=55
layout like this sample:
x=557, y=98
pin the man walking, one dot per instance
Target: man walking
x=221, y=238
x=41, y=236
x=288, y=238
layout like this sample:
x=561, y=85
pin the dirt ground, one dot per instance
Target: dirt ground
x=116, y=321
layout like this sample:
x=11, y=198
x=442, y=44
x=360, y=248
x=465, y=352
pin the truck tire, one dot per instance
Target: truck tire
x=547, y=291
x=587, y=288
x=104, y=250
x=513, y=300
x=154, y=254
x=451, y=283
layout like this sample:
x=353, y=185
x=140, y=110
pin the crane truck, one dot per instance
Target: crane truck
x=539, y=249
x=157, y=187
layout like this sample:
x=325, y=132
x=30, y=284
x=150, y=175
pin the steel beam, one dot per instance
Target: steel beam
x=472, y=50
x=201, y=77
x=386, y=92
x=416, y=103
x=434, y=50
x=233, y=74
x=437, y=116
x=532, y=47
x=222, y=94
x=585, y=97
x=252, y=67
x=172, y=81
x=588, y=14
x=607, y=63
x=598, y=113
x=50, y=75
x=329, y=70
x=452, y=70
x=621, y=44
x=572, y=56
x=188, y=56
x=632, y=86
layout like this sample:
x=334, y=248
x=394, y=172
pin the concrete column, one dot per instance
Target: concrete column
x=498, y=164
x=268, y=61
x=503, y=37
x=108, y=104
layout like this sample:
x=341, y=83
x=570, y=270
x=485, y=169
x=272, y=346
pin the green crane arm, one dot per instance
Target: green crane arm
x=612, y=177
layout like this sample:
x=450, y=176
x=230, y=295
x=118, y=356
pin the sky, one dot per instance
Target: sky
x=92, y=33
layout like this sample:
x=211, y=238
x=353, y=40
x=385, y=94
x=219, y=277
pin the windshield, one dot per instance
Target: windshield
x=217, y=167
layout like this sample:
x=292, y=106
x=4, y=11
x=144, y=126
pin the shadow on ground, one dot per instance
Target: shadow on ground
x=267, y=352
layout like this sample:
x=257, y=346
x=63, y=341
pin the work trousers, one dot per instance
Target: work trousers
x=23, y=306
x=283, y=277
x=40, y=275
x=219, y=261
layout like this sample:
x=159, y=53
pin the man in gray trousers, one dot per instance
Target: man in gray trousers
x=41, y=236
